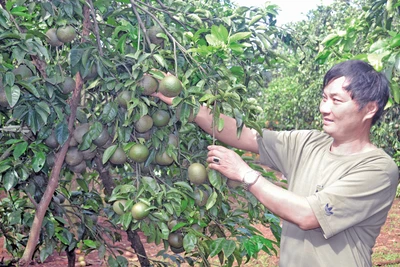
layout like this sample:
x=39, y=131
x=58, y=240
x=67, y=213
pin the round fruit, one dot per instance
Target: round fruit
x=160, y=118
x=102, y=139
x=51, y=140
x=173, y=140
x=89, y=154
x=50, y=159
x=139, y=153
x=197, y=173
x=200, y=197
x=61, y=197
x=171, y=223
x=80, y=131
x=144, y=124
x=117, y=206
x=149, y=85
x=23, y=71
x=146, y=135
x=119, y=156
x=170, y=86
x=139, y=211
x=82, y=263
x=197, y=227
x=152, y=33
x=66, y=34
x=79, y=168
x=3, y=97
x=52, y=38
x=233, y=183
x=92, y=74
x=177, y=250
x=163, y=159
x=175, y=240
x=178, y=114
x=73, y=142
x=73, y=156
x=123, y=98
x=68, y=85
x=81, y=258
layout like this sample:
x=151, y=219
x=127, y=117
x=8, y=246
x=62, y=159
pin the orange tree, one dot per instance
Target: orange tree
x=83, y=138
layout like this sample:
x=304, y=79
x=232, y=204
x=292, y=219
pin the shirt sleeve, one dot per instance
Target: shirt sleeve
x=361, y=194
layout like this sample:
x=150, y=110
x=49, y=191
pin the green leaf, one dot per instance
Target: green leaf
x=29, y=87
x=228, y=247
x=12, y=94
x=221, y=123
x=110, y=112
x=211, y=200
x=10, y=179
x=20, y=149
x=216, y=247
x=239, y=36
x=62, y=132
x=160, y=60
x=83, y=184
x=108, y=153
x=189, y=242
x=255, y=19
x=38, y=161
x=90, y=243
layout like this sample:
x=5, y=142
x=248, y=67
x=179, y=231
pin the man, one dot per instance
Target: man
x=340, y=186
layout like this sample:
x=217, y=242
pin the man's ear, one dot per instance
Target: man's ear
x=370, y=110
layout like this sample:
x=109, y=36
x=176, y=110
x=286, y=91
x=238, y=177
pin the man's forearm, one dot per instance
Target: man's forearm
x=247, y=140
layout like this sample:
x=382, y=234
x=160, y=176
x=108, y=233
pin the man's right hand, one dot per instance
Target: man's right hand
x=166, y=99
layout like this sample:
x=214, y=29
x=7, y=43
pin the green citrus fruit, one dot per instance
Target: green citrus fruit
x=66, y=34
x=144, y=124
x=197, y=173
x=52, y=38
x=68, y=85
x=149, y=84
x=51, y=140
x=152, y=34
x=23, y=71
x=102, y=139
x=92, y=74
x=139, y=211
x=79, y=168
x=160, y=118
x=80, y=131
x=177, y=250
x=173, y=140
x=233, y=184
x=163, y=159
x=170, y=86
x=119, y=206
x=190, y=117
x=139, y=153
x=119, y=156
x=89, y=154
x=146, y=135
x=73, y=156
x=175, y=240
x=123, y=98
x=200, y=197
x=171, y=223
x=3, y=97
x=50, y=159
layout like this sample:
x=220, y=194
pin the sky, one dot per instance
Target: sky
x=291, y=10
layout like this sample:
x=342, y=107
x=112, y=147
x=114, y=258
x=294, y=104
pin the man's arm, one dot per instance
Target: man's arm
x=247, y=140
x=204, y=118
x=283, y=203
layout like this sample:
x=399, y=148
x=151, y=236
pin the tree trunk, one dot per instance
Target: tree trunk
x=71, y=255
x=137, y=245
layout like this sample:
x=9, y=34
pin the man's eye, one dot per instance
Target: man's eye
x=337, y=100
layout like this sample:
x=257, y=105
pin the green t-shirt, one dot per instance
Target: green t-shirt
x=350, y=195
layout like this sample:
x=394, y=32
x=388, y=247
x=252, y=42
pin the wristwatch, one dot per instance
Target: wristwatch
x=250, y=178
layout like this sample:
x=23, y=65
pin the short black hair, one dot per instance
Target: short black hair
x=365, y=84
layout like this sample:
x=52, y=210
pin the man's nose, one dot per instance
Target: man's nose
x=325, y=106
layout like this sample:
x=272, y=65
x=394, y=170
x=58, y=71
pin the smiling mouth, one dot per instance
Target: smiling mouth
x=326, y=121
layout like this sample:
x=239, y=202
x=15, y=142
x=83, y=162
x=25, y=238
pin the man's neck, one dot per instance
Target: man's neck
x=352, y=146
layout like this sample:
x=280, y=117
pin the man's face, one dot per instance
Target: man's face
x=342, y=118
